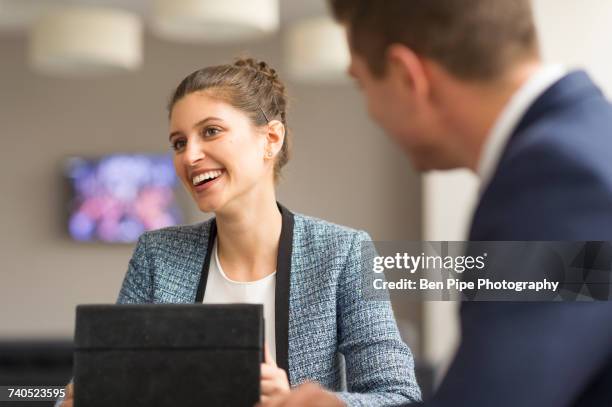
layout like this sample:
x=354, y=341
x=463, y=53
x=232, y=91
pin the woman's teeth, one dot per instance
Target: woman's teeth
x=209, y=175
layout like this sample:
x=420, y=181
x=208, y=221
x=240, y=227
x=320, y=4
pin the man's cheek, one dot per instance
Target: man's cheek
x=375, y=107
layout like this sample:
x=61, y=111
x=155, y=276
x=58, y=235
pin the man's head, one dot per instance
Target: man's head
x=412, y=57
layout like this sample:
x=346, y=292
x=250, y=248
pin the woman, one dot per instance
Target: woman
x=228, y=130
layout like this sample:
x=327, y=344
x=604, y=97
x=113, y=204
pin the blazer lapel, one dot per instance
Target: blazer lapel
x=281, y=302
x=212, y=234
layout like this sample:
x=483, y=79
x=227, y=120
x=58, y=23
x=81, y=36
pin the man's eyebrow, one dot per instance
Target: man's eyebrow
x=198, y=124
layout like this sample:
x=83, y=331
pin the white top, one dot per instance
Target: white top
x=221, y=290
x=510, y=117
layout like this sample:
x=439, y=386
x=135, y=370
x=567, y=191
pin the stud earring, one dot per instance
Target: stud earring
x=269, y=154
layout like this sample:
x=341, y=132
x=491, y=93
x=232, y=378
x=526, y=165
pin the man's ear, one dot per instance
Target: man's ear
x=275, y=137
x=409, y=68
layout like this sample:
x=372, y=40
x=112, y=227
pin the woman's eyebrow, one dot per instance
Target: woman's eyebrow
x=203, y=121
x=198, y=124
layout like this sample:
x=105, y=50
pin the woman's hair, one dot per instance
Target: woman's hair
x=249, y=85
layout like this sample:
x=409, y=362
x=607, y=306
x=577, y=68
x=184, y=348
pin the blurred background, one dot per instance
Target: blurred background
x=85, y=165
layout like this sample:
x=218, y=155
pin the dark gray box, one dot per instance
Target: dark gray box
x=168, y=355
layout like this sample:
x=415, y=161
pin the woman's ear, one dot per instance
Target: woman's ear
x=275, y=138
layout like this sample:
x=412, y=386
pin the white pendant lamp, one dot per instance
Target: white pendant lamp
x=214, y=20
x=86, y=41
x=316, y=51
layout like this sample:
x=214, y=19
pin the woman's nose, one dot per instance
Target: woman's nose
x=194, y=152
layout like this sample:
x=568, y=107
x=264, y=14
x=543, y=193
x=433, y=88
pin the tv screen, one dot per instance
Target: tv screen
x=117, y=197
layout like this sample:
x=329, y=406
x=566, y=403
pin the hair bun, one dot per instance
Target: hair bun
x=261, y=67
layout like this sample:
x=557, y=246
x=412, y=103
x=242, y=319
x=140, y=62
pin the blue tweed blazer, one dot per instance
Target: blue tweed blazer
x=318, y=273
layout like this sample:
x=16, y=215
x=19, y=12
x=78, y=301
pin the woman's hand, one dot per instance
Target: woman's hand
x=274, y=380
x=307, y=395
x=68, y=399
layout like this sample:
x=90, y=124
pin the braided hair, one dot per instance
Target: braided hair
x=249, y=85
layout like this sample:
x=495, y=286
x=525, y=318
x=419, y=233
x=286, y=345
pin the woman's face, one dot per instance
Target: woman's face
x=220, y=156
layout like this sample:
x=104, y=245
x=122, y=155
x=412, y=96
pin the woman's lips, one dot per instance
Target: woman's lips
x=207, y=185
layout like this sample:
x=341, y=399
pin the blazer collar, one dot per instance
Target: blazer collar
x=283, y=274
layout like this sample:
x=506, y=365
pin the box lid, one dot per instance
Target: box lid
x=215, y=326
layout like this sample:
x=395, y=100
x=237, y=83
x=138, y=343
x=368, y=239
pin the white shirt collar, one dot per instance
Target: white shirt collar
x=510, y=117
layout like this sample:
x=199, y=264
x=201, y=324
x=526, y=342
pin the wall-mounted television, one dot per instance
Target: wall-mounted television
x=117, y=197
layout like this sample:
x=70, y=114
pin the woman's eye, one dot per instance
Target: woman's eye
x=211, y=131
x=178, y=145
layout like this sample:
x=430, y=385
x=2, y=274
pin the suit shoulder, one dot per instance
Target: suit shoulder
x=550, y=155
x=549, y=187
x=577, y=135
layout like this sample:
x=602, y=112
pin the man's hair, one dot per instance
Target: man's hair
x=472, y=39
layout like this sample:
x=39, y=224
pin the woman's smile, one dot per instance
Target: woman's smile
x=203, y=180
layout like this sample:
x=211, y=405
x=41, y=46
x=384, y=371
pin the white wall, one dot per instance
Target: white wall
x=578, y=34
x=449, y=198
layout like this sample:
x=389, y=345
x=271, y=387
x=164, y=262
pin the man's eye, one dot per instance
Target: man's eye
x=211, y=131
x=178, y=145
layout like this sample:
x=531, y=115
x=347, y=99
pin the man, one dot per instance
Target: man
x=460, y=83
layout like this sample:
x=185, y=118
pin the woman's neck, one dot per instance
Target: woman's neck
x=248, y=238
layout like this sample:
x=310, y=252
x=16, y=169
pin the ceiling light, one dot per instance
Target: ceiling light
x=214, y=20
x=316, y=51
x=86, y=41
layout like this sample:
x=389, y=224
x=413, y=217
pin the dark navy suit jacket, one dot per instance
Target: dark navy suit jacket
x=553, y=182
